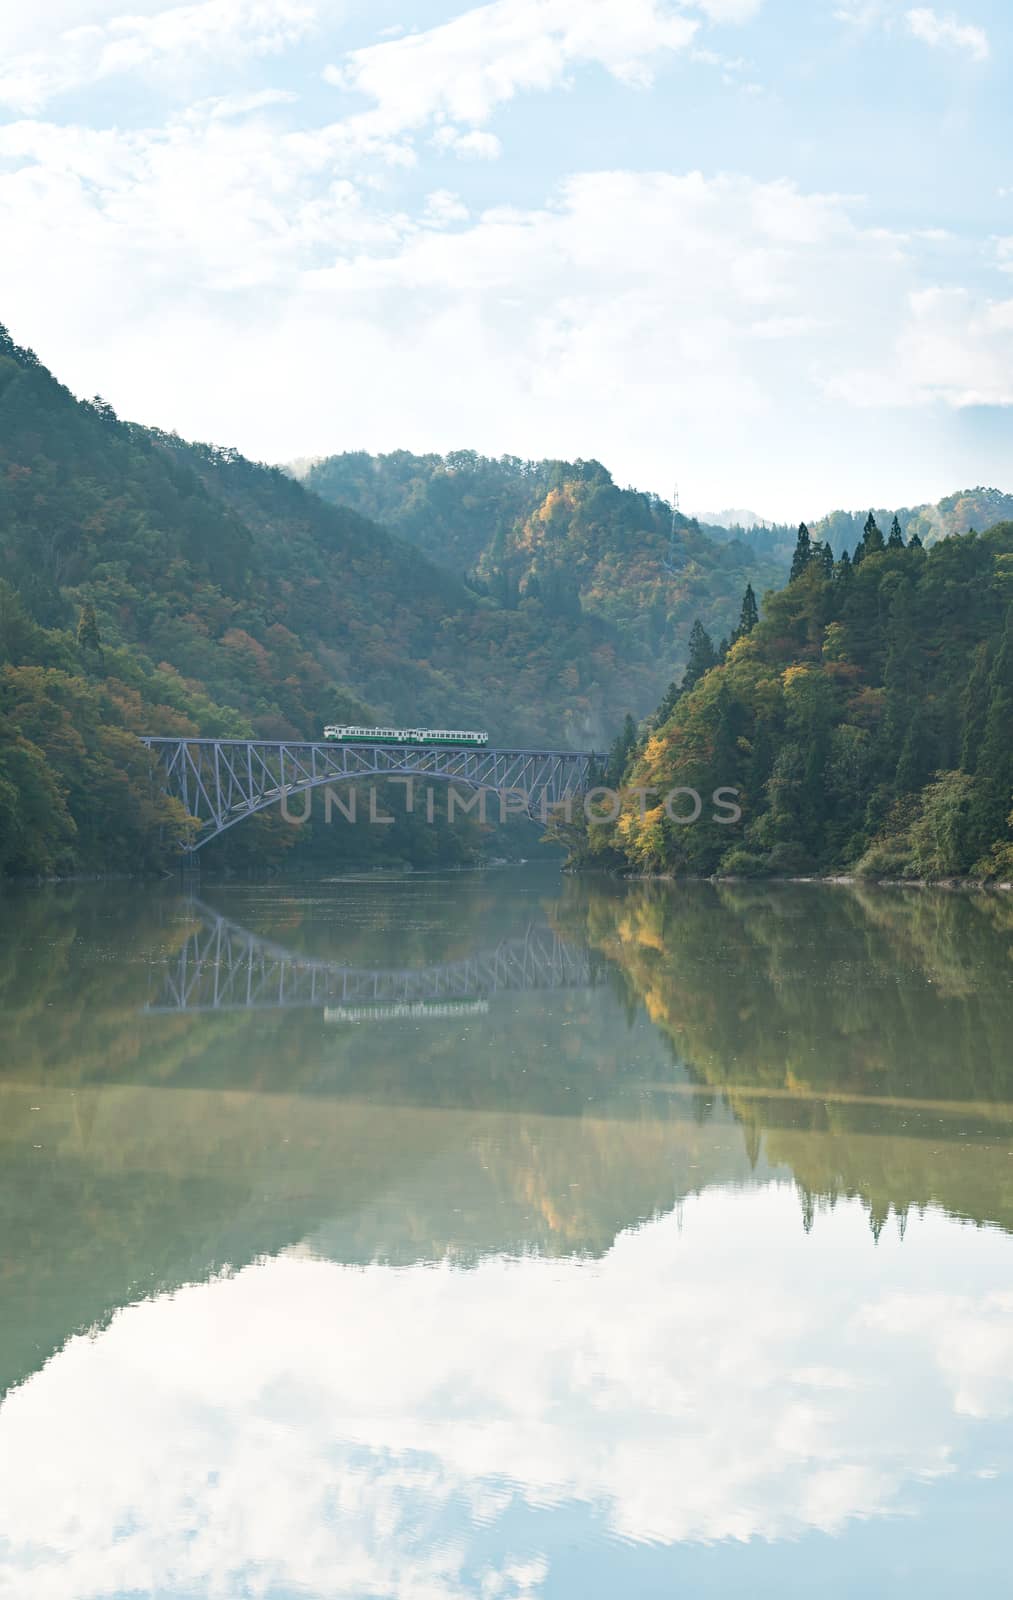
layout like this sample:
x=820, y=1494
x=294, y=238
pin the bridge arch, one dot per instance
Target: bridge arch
x=221, y=782
x=221, y=966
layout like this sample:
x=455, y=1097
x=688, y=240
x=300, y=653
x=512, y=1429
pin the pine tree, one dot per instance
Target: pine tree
x=803, y=553
x=750, y=614
x=896, y=539
x=702, y=655
x=902, y=675
x=88, y=636
x=844, y=567
x=622, y=749
x=993, y=790
x=873, y=536
x=669, y=701
x=974, y=707
x=859, y=555
x=826, y=557
x=914, y=543
x=915, y=765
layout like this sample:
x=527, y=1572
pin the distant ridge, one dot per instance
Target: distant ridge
x=732, y=517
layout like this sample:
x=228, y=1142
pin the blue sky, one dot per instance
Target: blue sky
x=761, y=248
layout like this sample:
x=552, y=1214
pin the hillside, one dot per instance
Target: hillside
x=148, y=584
x=775, y=541
x=865, y=720
x=562, y=533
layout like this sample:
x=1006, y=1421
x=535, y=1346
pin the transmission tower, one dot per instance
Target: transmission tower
x=669, y=562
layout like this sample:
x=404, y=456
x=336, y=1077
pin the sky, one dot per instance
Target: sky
x=758, y=249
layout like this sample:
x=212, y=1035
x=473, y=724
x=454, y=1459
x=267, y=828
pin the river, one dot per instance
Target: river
x=507, y=1236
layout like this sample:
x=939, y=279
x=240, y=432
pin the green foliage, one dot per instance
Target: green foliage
x=803, y=553
x=164, y=587
x=865, y=720
x=562, y=537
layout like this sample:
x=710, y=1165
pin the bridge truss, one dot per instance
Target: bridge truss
x=222, y=781
x=221, y=966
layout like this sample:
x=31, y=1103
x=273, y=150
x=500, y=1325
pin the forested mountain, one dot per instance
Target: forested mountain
x=866, y=721
x=560, y=533
x=146, y=584
x=843, y=530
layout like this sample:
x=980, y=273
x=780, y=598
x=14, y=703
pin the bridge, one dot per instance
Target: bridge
x=221, y=966
x=222, y=781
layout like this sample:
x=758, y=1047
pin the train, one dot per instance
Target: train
x=450, y=736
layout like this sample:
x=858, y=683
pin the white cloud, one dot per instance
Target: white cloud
x=933, y=29
x=729, y=10
x=443, y=206
x=949, y=346
x=478, y=142
x=123, y=43
x=464, y=69
x=276, y=1431
x=634, y=316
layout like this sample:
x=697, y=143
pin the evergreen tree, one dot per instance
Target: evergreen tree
x=859, y=555
x=669, y=701
x=702, y=655
x=915, y=765
x=750, y=614
x=902, y=675
x=873, y=536
x=803, y=553
x=623, y=747
x=88, y=636
x=974, y=707
x=896, y=539
x=993, y=790
x=844, y=567
x=914, y=543
x=826, y=558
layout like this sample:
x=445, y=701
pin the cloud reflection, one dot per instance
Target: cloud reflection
x=307, y=1426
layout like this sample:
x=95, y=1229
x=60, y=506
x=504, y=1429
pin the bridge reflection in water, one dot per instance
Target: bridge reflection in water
x=224, y=967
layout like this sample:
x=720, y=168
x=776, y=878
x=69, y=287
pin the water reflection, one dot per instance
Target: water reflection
x=221, y=966
x=653, y=1285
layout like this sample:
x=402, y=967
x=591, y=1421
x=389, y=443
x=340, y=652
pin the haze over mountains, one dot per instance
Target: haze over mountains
x=152, y=585
x=147, y=584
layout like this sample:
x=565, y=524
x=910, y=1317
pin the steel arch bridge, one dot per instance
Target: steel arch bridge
x=221, y=966
x=222, y=781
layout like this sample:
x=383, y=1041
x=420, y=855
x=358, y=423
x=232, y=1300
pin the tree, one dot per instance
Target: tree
x=623, y=747
x=88, y=636
x=825, y=556
x=803, y=553
x=702, y=655
x=872, y=536
x=896, y=539
x=844, y=567
x=914, y=543
x=17, y=630
x=974, y=707
x=993, y=790
x=750, y=614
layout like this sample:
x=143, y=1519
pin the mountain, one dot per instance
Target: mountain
x=865, y=722
x=732, y=518
x=147, y=584
x=955, y=514
x=561, y=533
x=843, y=530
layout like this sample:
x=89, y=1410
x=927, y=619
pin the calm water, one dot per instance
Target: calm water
x=507, y=1237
